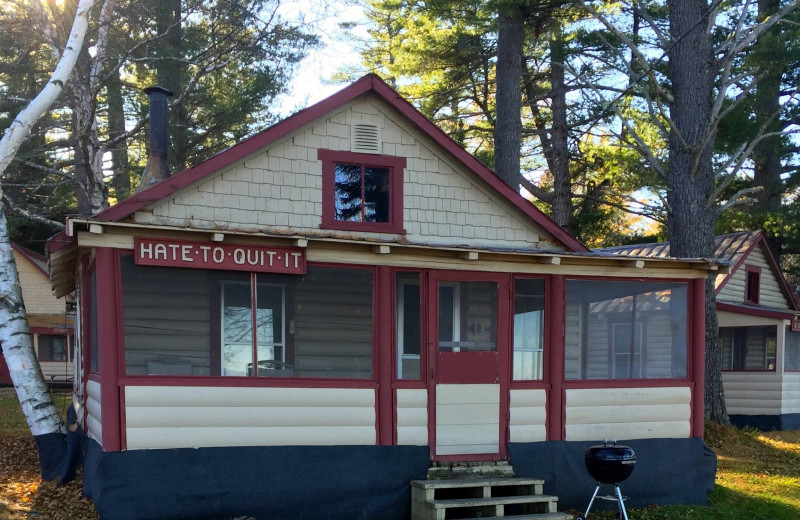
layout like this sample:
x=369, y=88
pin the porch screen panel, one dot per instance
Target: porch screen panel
x=528, y=329
x=468, y=316
x=333, y=323
x=626, y=329
x=409, y=331
x=166, y=320
x=791, y=361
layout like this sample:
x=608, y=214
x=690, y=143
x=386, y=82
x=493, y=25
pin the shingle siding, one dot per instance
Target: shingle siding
x=279, y=189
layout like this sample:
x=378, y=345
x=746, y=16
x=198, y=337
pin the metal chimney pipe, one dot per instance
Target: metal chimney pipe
x=156, y=169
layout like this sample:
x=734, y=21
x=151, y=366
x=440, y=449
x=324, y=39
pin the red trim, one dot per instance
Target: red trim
x=383, y=353
x=697, y=361
x=555, y=313
x=368, y=83
x=107, y=316
x=245, y=382
x=396, y=166
x=409, y=384
x=755, y=311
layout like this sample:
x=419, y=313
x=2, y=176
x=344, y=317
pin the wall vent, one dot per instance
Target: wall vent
x=365, y=138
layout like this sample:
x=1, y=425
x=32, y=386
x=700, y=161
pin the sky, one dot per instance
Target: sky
x=335, y=51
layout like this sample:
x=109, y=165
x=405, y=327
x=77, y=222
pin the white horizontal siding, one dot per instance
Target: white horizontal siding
x=528, y=414
x=467, y=419
x=94, y=419
x=628, y=413
x=185, y=417
x=791, y=393
x=412, y=417
x=752, y=393
x=58, y=371
x=771, y=290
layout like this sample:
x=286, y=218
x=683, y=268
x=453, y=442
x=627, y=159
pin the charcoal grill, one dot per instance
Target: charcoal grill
x=609, y=464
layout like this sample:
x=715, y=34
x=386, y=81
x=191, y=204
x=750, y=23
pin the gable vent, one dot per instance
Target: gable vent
x=365, y=138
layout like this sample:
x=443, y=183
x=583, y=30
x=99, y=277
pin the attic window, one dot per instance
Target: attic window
x=365, y=138
x=752, y=285
x=362, y=192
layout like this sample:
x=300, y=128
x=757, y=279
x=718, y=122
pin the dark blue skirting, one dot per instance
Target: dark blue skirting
x=667, y=471
x=766, y=423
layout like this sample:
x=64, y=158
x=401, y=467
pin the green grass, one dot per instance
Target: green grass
x=758, y=478
x=758, y=474
x=12, y=422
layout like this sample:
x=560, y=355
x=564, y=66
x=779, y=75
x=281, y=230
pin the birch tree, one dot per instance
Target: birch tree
x=34, y=397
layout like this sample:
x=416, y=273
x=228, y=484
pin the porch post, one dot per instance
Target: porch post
x=556, y=316
x=107, y=306
x=384, y=353
x=698, y=354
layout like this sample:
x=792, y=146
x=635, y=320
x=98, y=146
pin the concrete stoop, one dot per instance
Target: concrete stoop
x=460, y=470
x=485, y=498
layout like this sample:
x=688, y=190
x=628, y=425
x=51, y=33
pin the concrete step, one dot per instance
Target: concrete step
x=459, y=470
x=472, y=482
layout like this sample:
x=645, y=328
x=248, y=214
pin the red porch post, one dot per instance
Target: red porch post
x=108, y=344
x=698, y=354
x=555, y=310
x=384, y=354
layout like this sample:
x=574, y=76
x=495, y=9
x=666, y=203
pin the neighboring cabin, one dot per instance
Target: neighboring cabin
x=51, y=323
x=331, y=306
x=759, y=322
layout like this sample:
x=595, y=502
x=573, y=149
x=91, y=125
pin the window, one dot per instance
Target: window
x=52, y=347
x=362, y=192
x=529, y=307
x=752, y=288
x=748, y=348
x=468, y=316
x=196, y=322
x=626, y=329
x=626, y=350
x=409, y=332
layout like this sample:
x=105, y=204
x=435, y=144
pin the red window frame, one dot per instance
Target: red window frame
x=395, y=165
x=752, y=284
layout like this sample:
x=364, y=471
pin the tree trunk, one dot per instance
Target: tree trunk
x=116, y=126
x=559, y=165
x=508, y=127
x=37, y=403
x=767, y=154
x=690, y=177
x=34, y=396
x=170, y=76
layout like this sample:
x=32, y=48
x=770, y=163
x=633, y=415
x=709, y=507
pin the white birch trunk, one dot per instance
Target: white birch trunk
x=37, y=404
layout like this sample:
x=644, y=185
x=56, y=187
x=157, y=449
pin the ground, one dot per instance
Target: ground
x=23, y=494
x=758, y=477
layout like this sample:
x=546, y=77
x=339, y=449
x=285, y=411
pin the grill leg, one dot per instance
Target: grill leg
x=589, y=507
x=622, y=513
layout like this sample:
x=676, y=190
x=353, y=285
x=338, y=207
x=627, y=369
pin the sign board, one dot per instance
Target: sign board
x=229, y=257
x=796, y=323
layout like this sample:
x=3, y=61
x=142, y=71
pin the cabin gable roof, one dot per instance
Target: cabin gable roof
x=272, y=183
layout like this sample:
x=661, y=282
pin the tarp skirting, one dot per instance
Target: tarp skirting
x=264, y=482
x=766, y=423
x=667, y=471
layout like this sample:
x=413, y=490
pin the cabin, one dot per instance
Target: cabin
x=759, y=325
x=347, y=300
x=51, y=320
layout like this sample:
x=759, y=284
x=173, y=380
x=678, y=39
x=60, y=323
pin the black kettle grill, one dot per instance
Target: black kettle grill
x=609, y=464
